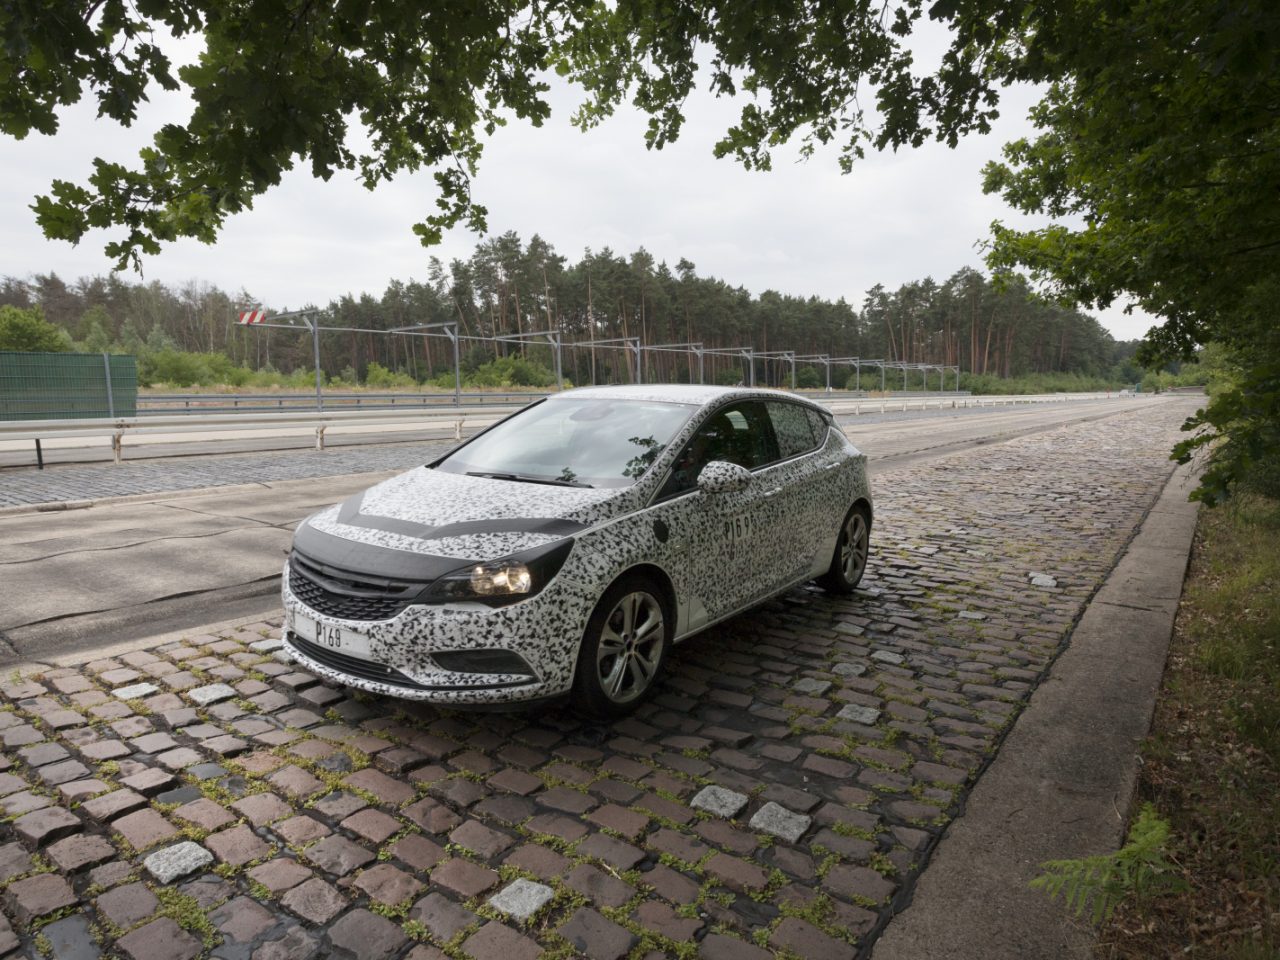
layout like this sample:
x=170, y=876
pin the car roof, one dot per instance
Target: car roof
x=692, y=393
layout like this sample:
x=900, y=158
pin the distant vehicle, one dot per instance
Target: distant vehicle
x=564, y=550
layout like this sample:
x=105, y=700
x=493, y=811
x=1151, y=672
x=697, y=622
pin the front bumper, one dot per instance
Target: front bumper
x=545, y=631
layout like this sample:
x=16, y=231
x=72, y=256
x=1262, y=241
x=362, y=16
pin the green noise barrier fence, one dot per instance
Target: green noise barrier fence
x=67, y=386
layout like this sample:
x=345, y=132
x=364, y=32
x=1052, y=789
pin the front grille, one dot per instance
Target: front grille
x=346, y=595
x=354, y=666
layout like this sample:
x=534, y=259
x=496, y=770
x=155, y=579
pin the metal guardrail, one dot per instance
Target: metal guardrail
x=117, y=429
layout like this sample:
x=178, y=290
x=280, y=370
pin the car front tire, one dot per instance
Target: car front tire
x=623, y=649
x=849, y=560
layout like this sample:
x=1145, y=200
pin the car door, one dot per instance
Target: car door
x=723, y=551
x=806, y=491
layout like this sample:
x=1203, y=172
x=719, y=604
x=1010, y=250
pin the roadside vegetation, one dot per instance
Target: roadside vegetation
x=1005, y=338
x=1211, y=764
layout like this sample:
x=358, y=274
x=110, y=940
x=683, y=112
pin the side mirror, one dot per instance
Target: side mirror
x=719, y=476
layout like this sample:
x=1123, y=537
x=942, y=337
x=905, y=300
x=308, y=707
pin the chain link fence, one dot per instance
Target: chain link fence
x=67, y=386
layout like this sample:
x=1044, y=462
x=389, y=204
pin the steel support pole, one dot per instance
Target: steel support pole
x=700, y=371
x=315, y=353
x=827, y=364
x=555, y=340
x=111, y=400
x=793, y=371
x=452, y=333
x=882, y=378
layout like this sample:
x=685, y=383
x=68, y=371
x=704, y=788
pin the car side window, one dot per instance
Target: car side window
x=792, y=427
x=740, y=433
x=819, y=423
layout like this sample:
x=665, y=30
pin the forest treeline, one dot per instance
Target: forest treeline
x=507, y=286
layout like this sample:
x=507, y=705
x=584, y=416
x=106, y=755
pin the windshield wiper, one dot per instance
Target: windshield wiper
x=525, y=478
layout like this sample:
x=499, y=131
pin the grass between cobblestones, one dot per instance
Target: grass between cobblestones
x=1212, y=761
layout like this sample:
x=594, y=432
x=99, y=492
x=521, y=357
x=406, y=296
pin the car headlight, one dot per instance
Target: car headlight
x=500, y=582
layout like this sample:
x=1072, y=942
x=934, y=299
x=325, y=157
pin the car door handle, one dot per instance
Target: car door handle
x=771, y=493
x=832, y=466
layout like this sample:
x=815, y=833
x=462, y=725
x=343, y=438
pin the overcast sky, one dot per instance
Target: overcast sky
x=802, y=228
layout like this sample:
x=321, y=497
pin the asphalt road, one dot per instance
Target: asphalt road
x=121, y=571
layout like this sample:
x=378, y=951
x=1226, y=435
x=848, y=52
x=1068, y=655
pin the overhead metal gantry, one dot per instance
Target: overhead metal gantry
x=630, y=344
x=789, y=355
x=693, y=349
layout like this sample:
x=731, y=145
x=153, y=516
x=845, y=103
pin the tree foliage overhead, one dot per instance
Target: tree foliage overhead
x=280, y=82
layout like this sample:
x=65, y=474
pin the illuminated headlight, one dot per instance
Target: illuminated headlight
x=502, y=581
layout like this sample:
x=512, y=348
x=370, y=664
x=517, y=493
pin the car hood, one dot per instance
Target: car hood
x=449, y=516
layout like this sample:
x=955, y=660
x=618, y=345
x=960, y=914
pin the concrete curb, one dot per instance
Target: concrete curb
x=1060, y=785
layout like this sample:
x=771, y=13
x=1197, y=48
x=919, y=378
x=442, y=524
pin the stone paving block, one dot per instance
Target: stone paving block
x=598, y=886
x=294, y=944
x=338, y=855
x=444, y=918
x=464, y=878
x=847, y=880
x=42, y=754
x=42, y=827
x=300, y=830
x=83, y=850
x=178, y=861
x=719, y=801
x=373, y=825
x=14, y=861
x=237, y=846
x=262, y=808
x=205, y=814
x=596, y=937
x=716, y=946
x=494, y=941
x=148, y=781
x=71, y=939
x=366, y=936
x=242, y=920
x=211, y=694
x=417, y=851
x=180, y=759
x=859, y=714
x=135, y=691
x=128, y=905
x=144, y=828
x=476, y=837
x=522, y=898
x=17, y=804
x=314, y=901
x=386, y=789
x=38, y=896
x=780, y=822
x=279, y=874
x=387, y=884
x=295, y=782
x=161, y=939
x=805, y=939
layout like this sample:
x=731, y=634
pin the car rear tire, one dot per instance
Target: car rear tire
x=623, y=649
x=849, y=560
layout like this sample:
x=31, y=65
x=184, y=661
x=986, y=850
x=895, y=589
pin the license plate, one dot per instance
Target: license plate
x=329, y=635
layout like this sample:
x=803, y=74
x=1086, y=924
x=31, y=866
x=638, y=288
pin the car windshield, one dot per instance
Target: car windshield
x=575, y=442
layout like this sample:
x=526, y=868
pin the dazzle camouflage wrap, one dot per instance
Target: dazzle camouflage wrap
x=715, y=554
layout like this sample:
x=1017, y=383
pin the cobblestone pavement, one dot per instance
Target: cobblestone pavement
x=778, y=797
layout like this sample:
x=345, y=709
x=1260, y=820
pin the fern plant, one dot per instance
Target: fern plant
x=1141, y=868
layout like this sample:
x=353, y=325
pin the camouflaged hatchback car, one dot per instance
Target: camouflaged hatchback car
x=565, y=549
